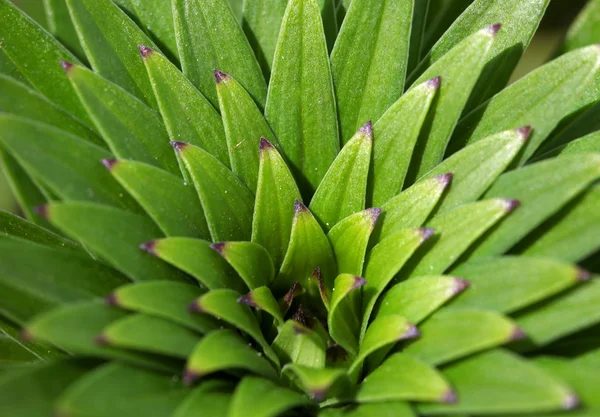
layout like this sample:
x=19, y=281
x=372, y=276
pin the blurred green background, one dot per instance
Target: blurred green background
x=557, y=19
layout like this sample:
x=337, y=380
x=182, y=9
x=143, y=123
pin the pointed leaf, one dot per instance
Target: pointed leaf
x=342, y=192
x=251, y=261
x=131, y=129
x=369, y=59
x=396, y=134
x=212, y=397
x=61, y=26
x=110, y=39
x=349, y=239
x=300, y=345
x=226, y=201
x=274, y=207
x=417, y=33
x=587, y=144
x=301, y=106
x=115, y=235
x=343, y=319
x=441, y=14
x=318, y=383
x=584, y=31
x=172, y=204
x=384, y=409
x=223, y=350
x=208, y=38
x=262, y=298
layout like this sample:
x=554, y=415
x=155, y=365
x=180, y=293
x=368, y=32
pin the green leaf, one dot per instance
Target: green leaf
x=542, y=188
x=262, y=298
x=298, y=344
x=245, y=126
x=209, y=37
x=301, y=105
x=572, y=234
x=110, y=40
x=36, y=350
x=173, y=205
x=131, y=129
x=417, y=33
x=318, y=383
x=68, y=165
x=441, y=14
x=449, y=335
x=119, y=390
x=226, y=305
x=274, y=207
x=258, y=397
x=34, y=277
x=411, y=207
x=115, y=235
x=223, y=350
x=197, y=258
x=349, y=239
x=507, y=284
x=587, y=144
x=150, y=334
x=369, y=60
x=309, y=248
x=520, y=20
x=384, y=262
x=476, y=167
x=163, y=299
x=396, y=134
x=211, y=397
x=226, y=201
x=457, y=230
x=403, y=377
x=187, y=114
x=33, y=391
x=20, y=100
x=418, y=298
x=251, y=261
x=385, y=409
x=500, y=382
x=342, y=192
x=61, y=26
x=561, y=316
x=544, y=97
x=343, y=319
x=36, y=55
x=74, y=328
x=459, y=70
x=584, y=30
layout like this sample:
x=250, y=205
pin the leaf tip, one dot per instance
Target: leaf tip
x=524, y=132
x=66, y=66
x=149, y=247
x=318, y=395
x=112, y=300
x=459, y=285
x=583, y=275
x=411, y=333
x=434, y=83
x=511, y=205
x=220, y=76
x=101, y=340
x=426, y=233
x=294, y=291
x=374, y=214
x=299, y=208
x=189, y=377
x=517, y=334
x=178, y=145
x=367, y=129
x=195, y=307
x=145, y=51
x=358, y=282
x=445, y=179
x=299, y=329
x=42, y=210
x=265, y=145
x=492, y=30
x=109, y=163
x=571, y=402
x=26, y=336
x=248, y=300
x=449, y=397
x=219, y=247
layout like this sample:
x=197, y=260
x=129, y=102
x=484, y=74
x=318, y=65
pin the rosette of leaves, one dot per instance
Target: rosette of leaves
x=316, y=208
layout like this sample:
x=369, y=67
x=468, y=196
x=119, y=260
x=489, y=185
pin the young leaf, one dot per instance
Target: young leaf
x=208, y=37
x=459, y=70
x=343, y=319
x=349, y=239
x=131, y=129
x=110, y=39
x=226, y=201
x=301, y=106
x=113, y=234
x=449, y=335
x=342, y=192
x=212, y=397
x=297, y=344
x=317, y=383
x=396, y=134
x=223, y=350
x=262, y=298
x=510, y=283
x=274, y=207
x=36, y=55
x=369, y=59
x=251, y=261
x=187, y=114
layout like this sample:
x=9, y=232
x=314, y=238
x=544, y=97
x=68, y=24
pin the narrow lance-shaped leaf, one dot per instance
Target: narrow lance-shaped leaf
x=226, y=201
x=584, y=31
x=251, y=261
x=343, y=319
x=318, y=383
x=342, y=192
x=245, y=125
x=209, y=37
x=369, y=60
x=301, y=105
x=396, y=134
x=297, y=344
x=61, y=26
x=459, y=70
x=587, y=144
x=187, y=114
x=131, y=129
x=212, y=396
x=274, y=206
x=417, y=33
x=262, y=298
x=13, y=225
x=441, y=14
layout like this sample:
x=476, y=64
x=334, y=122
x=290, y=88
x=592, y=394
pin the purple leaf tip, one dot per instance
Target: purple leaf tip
x=460, y=285
x=195, y=307
x=42, y=210
x=111, y=300
x=367, y=129
x=583, y=275
x=411, y=333
x=149, y=247
x=374, y=213
x=265, y=144
x=445, y=179
x=426, y=233
x=220, y=76
x=434, y=82
x=189, y=377
x=178, y=145
x=524, y=131
x=493, y=30
x=101, y=340
x=144, y=50
x=25, y=335
x=299, y=329
x=219, y=247
x=66, y=66
x=358, y=282
x=109, y=163
x=571, y=402
x=449, y=397
x=247, y=299
x=511, y=205
x=299, y=207
x=318, y=395
x=517, y=334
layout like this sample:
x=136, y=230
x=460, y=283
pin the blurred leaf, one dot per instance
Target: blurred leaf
x=585, y=30
x=301, y=105
x=343, y=319
x=211, y=397
x=396, y=134
x=384, y=409
x=342, y=192
x=11, y=225
x=369, y=59
x=251, y=261
x=37, y=351
x=317, y=383
x=297, y=344
x=262, y=298
x=209, y=37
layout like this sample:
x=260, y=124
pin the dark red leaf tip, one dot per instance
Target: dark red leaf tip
x=66, y=66
x=571, y=402
x=299, y=329
x=248, y=300
x=101, y=340
x=294, y=291
x=517, y=334
x=144, y=51
x=189, y=377
x=111, y=300
x=109, y=163
x=583, y=275
x=358, y=282
x=511, y=204
x=265, y=144
x=299, y=207
x=42, y=210
x=220, y=76
x=149, y=247
x=493, y=30
x=178, y=145
x=367, y=129
x=449, y=397
x=445, y=179
x=219, y=247
x=411, y=333
x=460, y=285
x=435, y=82
x=426, y=233
x=26, y=335
x=195, y=307
x=524, y=131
